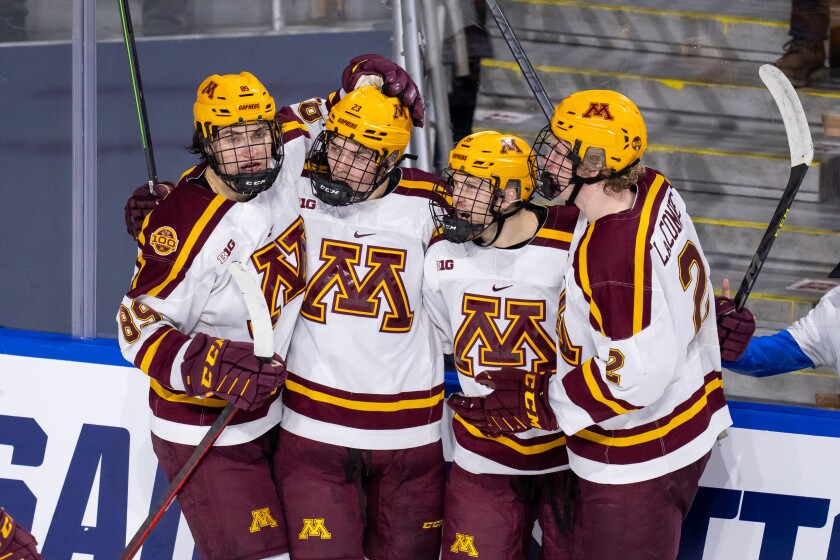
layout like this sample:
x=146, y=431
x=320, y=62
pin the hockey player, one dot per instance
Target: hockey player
x=491, y=286
x=812, y=341
x=185, y=324
x=16, y=543
x=363, y=469
x=638, y=383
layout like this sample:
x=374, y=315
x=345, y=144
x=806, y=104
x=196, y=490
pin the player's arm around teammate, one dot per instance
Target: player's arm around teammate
x=185, y=324
x=638, y=383
x=491, y=283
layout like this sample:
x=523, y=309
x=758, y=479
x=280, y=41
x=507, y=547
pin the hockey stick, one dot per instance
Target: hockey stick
x=264, y=350
x=801, y=155
x=521, y=59
x=139, y=100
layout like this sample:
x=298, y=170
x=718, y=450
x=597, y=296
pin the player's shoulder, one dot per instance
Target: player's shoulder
x=558, y=228
x=417, y=183
x=183, y=221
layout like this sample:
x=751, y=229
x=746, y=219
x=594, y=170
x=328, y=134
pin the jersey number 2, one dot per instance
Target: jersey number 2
x=689, y=260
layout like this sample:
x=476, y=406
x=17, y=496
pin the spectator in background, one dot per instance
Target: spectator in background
x=804, y=57
x=167, y=17
x=13, y=20
x=464, y=88
x=329, y=10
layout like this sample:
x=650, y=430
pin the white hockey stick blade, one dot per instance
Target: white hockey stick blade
x=796, y=124
x=257, y=310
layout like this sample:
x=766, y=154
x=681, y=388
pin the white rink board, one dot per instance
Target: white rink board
x=87, y=409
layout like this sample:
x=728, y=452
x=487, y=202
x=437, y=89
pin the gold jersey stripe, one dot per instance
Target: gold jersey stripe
x=595, y=390
x=146, y=363
x=422, y=185
x=642, y=253
x=183, y=398
x=555, y=234
x=186, y=250
x=293, y=125
x=584, y=279
x=360, y=405
x=512, y=443
x=675, y=422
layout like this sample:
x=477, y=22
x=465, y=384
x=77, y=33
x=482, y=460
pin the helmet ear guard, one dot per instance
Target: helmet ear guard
x=238, y=105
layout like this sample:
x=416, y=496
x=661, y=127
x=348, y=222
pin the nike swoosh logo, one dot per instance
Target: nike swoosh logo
x=495, y=289
x=357, y=235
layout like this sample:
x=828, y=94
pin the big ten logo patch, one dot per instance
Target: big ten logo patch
x=307, y=203
x=464, y=543
x=164, y=240
x=262, y=518
x=223, y=256
x=314, y=528
x=445, y=264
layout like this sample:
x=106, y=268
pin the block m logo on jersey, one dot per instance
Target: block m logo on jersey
x=464, y=543
x=601, y=110
x=382, y=280
x=282, y=265
x=314, y=528
x=479, y=335
x=262, y=518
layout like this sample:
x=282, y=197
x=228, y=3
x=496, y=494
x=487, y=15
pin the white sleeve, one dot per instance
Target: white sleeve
x=818, y=333
x=435, y=305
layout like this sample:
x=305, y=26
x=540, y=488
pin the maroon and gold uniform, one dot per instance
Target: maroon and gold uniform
x=361, y=450
x=182, y=287
x=495, y=308
x=639, y=383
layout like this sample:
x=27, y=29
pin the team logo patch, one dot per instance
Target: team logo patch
x=636, y=144
x=164, y=240
x=464, y=543
x=314, y=528
x=261, y=518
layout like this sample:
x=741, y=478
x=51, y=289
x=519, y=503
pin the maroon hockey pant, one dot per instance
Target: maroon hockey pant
x=349, y=504
x=230, y=501
x=491, y=516
x=638, y=521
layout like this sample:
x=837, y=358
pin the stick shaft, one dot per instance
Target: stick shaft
x=139, y=99
x=521, y=59
x=160, y=507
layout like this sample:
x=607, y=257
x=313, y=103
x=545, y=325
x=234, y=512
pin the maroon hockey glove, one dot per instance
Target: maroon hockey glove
x=734, y=329
x=519, y=402
x=397, y=82
x=230, y=371
x=16, y=543
x=141, y=203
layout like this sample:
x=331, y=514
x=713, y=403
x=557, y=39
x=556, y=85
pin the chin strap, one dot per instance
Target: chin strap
x=500, y=223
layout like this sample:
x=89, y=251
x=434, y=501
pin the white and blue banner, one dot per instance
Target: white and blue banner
x=77, y=467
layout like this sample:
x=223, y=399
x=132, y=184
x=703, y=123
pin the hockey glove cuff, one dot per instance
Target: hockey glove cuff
x=229, y=370
x=16, y=542
x=141, y=203
x=735, y=329
x=518, y=403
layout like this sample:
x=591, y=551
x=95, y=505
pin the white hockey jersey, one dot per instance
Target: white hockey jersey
x=496, y=308
x=818, y=332
x=639, y=383
x=366, y=372
x=182, y=286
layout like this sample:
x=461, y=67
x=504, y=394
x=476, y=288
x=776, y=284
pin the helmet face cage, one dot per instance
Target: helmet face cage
x=465, y=205
x=346, y=172
x=553, y=163
x=247, y=156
